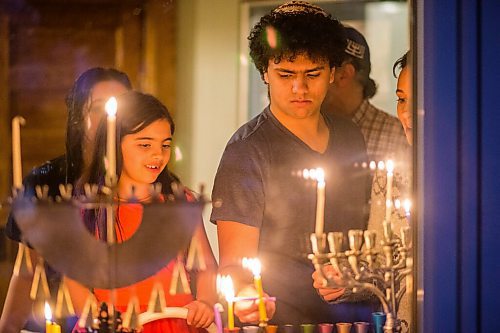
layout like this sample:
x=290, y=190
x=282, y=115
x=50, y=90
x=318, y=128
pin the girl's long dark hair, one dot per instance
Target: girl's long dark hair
x=77, y=99
x=135, y=112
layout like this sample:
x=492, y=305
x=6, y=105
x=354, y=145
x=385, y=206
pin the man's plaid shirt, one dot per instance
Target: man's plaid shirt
x=384, y=135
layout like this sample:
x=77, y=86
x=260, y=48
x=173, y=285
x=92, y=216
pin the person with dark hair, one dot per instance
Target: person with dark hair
x=404, y=93
x=349, y=96
x=262, y=205
x=144, y=135
x=85, y=106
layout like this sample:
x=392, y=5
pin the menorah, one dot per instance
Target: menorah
x=167, y=229
x=367, y=270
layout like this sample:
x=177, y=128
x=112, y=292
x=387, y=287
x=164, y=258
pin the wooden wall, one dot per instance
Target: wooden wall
x=45, y=45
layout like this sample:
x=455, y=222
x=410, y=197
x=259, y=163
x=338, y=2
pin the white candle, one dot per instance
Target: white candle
x=16, y=151
x=390, y=175
x=320, y=201
x=111, y=107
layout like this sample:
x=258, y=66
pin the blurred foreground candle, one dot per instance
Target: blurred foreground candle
x=16, y=151
x=255, y=266
x=50, y=326
x=111, y=106
x=218, y=320
x=225, y=285
x=388, y=198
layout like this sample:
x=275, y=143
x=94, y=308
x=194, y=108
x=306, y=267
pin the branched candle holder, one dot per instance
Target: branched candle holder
x=367, y=269
x=168, y=225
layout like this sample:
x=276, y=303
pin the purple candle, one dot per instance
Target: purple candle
x=218, y=320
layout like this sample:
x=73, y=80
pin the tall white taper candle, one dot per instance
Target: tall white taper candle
x=17, y=169
x=320, y=201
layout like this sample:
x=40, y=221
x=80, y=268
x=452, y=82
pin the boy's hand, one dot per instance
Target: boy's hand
x=328, y=293
x=199, y=314
x=248, y=311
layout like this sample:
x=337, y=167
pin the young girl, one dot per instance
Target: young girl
x=144, y=130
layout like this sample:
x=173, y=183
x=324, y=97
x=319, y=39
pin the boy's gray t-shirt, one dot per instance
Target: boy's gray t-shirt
x=259, y=183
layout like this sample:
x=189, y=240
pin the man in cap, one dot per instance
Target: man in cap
x=262, y=205
x=349, y=96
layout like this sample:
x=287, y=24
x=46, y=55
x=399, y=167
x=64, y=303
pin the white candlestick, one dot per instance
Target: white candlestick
x=111, y=106
x=17, y=170
x=320, y=201
x=390, y=175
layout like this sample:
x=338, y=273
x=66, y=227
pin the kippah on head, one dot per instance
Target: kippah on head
x=299, y=7
x=357, y=46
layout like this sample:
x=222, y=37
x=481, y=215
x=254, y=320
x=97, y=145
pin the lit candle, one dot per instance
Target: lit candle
x=320, y=201
x=50, y=326
x=390, y=175
x=255, y=266
x=225, y=285
x=16, y=151
x=111, y=107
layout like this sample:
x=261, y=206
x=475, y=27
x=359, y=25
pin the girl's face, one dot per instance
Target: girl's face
x=403, y=92
x=145, y=154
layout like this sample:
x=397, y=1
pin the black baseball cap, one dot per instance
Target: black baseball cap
x=357, y=47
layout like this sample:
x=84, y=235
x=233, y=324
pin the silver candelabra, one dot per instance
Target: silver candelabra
x=378, y=271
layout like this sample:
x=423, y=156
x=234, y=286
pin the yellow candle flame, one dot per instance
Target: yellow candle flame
x=226, y=287
x=48, y=312
x=252, y=264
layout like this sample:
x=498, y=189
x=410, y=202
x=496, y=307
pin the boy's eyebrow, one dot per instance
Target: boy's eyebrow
x=315, y=69
x=399, y=91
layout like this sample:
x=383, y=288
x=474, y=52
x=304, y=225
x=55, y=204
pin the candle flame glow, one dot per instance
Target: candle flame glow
x=397, y=204
x=407, y=206
x=317, y=174
x=320, y=175
x=225, y=287
x=252, y=264
x=390, y=166
x=48, y=312
x=381, y=165
x=111, y=106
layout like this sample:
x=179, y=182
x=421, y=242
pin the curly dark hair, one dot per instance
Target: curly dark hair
x=285, y=35
x=401, y=63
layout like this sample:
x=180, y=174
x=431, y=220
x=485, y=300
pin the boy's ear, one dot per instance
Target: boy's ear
x=332, y=74
x=266, y=78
